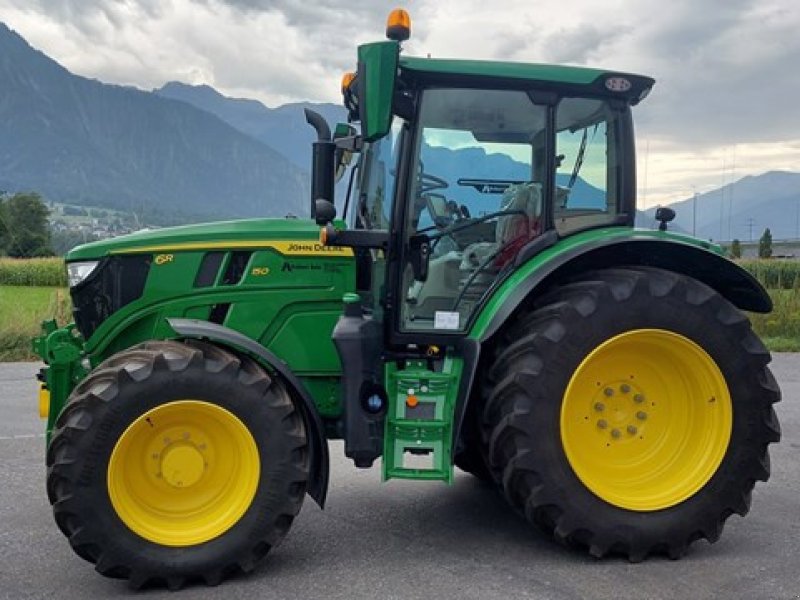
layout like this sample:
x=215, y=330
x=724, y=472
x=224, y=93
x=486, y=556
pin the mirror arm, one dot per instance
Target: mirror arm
x=355, y=238
x=353, y=143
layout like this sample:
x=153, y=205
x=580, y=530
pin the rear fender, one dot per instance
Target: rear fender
x=644, y=248
x=238, y=342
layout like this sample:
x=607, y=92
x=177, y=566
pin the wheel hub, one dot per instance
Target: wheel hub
x=182, y=465
x=619, y=411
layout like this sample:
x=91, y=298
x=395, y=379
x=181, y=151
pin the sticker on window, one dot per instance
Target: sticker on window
x=443, y=319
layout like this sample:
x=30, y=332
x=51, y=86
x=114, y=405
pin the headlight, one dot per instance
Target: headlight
x=78, y=271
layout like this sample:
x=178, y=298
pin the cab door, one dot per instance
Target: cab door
x=370, y=207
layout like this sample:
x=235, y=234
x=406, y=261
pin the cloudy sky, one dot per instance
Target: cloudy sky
x=726, y=102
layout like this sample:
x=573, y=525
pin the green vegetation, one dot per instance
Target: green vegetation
x=780, y=329
x=736, y=249
x=24, y=230
x=774, y=274
x=765, y=244
x=22, y=309
x=33, y=272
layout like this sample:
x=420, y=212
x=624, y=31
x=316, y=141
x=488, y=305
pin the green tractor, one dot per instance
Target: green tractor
x=484, y=301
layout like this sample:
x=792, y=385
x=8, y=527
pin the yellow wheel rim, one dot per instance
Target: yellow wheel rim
x=183, y=473
x=646, y=419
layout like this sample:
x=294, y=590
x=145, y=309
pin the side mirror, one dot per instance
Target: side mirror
x=377, y=74
x=664, y=215
x=324, y=211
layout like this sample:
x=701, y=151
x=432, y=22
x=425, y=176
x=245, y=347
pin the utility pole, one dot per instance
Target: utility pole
x=694, y=215
x=797, y=221
x=751, y=222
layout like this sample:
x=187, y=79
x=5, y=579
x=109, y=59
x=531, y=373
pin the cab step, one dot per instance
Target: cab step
x=418, y=438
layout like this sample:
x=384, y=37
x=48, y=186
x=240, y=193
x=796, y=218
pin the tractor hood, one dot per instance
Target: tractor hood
x=249, y=233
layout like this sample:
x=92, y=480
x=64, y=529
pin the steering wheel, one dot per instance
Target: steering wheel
x=429, y=182
x=467, y=223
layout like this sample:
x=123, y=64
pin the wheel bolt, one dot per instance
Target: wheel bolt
x=615, y=433
x=641, y=415
x=602, y=424
x=624, y=388
x=632, y=429
x=599, y=406
x=608, y=392
x=639, y=398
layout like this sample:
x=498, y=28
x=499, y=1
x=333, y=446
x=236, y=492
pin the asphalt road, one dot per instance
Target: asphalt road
x=411, y=540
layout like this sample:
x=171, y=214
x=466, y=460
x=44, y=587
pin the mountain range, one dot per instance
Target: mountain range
x=740, y=210
x=80, y=141
x=283, y=128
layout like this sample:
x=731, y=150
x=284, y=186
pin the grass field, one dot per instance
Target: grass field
x=22, y=309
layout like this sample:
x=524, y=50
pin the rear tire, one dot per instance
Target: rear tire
x=622, y=481
x=177, y=462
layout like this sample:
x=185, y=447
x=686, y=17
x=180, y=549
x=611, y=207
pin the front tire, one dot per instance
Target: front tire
x=177, y=462
x=630, y=413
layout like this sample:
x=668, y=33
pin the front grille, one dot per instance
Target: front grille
x=116, y=282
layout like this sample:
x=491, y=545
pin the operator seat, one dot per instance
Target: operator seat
x=512, y=231
x=454, y=270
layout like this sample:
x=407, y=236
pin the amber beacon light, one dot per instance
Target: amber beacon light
x=347, y=79
x=398, y=25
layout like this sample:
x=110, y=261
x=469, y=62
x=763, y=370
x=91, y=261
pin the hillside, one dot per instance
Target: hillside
x=81, y=141
x=771, y=200
x=283, y=128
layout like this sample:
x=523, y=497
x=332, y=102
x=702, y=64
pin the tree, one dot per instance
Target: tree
x=765, y=244
x=24, y=231
x=736, y=249
x=66, y=239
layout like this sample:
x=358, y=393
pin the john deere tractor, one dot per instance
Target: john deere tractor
x=483, y=301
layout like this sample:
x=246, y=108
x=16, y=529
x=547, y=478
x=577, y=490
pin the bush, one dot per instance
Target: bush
x=33, y=272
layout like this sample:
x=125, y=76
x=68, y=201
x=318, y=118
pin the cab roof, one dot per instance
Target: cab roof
x=589, y=79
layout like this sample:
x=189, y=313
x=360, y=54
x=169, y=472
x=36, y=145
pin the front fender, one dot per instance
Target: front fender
x=224, y=336
x=599, y=249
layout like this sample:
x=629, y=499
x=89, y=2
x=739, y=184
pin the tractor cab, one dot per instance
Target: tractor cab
x=465, y=171
x=487, y=177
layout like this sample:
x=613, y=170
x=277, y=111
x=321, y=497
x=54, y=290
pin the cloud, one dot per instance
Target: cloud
x=725, y=69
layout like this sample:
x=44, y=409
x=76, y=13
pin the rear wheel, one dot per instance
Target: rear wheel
x=630, y=413
x=177, y=462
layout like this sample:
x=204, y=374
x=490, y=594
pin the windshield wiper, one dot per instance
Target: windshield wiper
x=581, y=153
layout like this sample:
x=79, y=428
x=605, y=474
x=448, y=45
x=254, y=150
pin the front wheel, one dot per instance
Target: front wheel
x=630, y=413
x=174, y=462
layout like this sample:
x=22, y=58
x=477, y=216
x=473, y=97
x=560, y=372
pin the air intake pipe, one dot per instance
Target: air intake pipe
x=322, y=159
